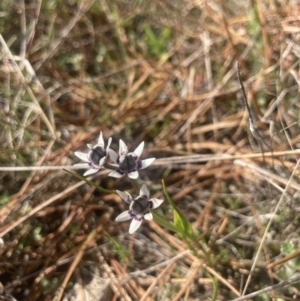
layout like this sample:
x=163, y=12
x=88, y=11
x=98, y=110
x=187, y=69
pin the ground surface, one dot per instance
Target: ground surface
x=163, y=72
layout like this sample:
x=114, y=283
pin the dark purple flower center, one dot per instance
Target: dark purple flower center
x=128, y=163
x=133, y=215
x=97, y=154
x=140, y=205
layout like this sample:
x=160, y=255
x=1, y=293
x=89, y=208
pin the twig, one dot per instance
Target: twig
x=38, y=168
x=23, y=31
x=34, y=23
x=82, y=9
x=269, y=225
x=167, y=161
x=269, y=288
x=43, y=205
x=268, y=176
x=252, y=126
x=28, y=89
x=90, y=240
x=213, y=94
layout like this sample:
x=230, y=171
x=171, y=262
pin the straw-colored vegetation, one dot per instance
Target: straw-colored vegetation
x=163, y=72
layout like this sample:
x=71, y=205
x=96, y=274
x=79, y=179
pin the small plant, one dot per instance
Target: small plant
x=140, y=204
x=157, y=44
x=290, y=268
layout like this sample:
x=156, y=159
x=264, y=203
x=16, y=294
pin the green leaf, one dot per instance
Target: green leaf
x=157, y=43
x=161, y=220
x=180, y=221
x=287, y=248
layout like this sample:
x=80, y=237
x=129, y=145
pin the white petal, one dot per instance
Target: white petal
x=125, y=196
x=90, y=171
x=138, y=151
x=148, y=216
x=144, y=190
x=115, y=174
x=100, y=140
x=109, y=142
x=124, y=216
x=82, y=156
x=82, y=165
x=102, y=161
x=134, y=225
x=133, y=175
x=156, y=203
x=113, y=155
x=147, y=162
x=122, y=147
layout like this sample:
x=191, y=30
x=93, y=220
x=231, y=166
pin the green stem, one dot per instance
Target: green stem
x=135, y=186
x=91, y=183
x=215, y=288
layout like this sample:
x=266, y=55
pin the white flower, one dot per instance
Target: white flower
x=128, y=163
x=138, y=209
x=96, y=156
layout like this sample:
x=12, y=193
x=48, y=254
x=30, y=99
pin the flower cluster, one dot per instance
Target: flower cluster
x=125, y=163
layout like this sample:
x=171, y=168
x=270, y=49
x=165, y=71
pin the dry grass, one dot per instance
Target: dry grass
x=163, y=72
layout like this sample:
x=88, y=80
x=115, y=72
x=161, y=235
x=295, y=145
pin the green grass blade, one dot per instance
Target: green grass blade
x=161, y=220
x=180, y=221
x=91, y=183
